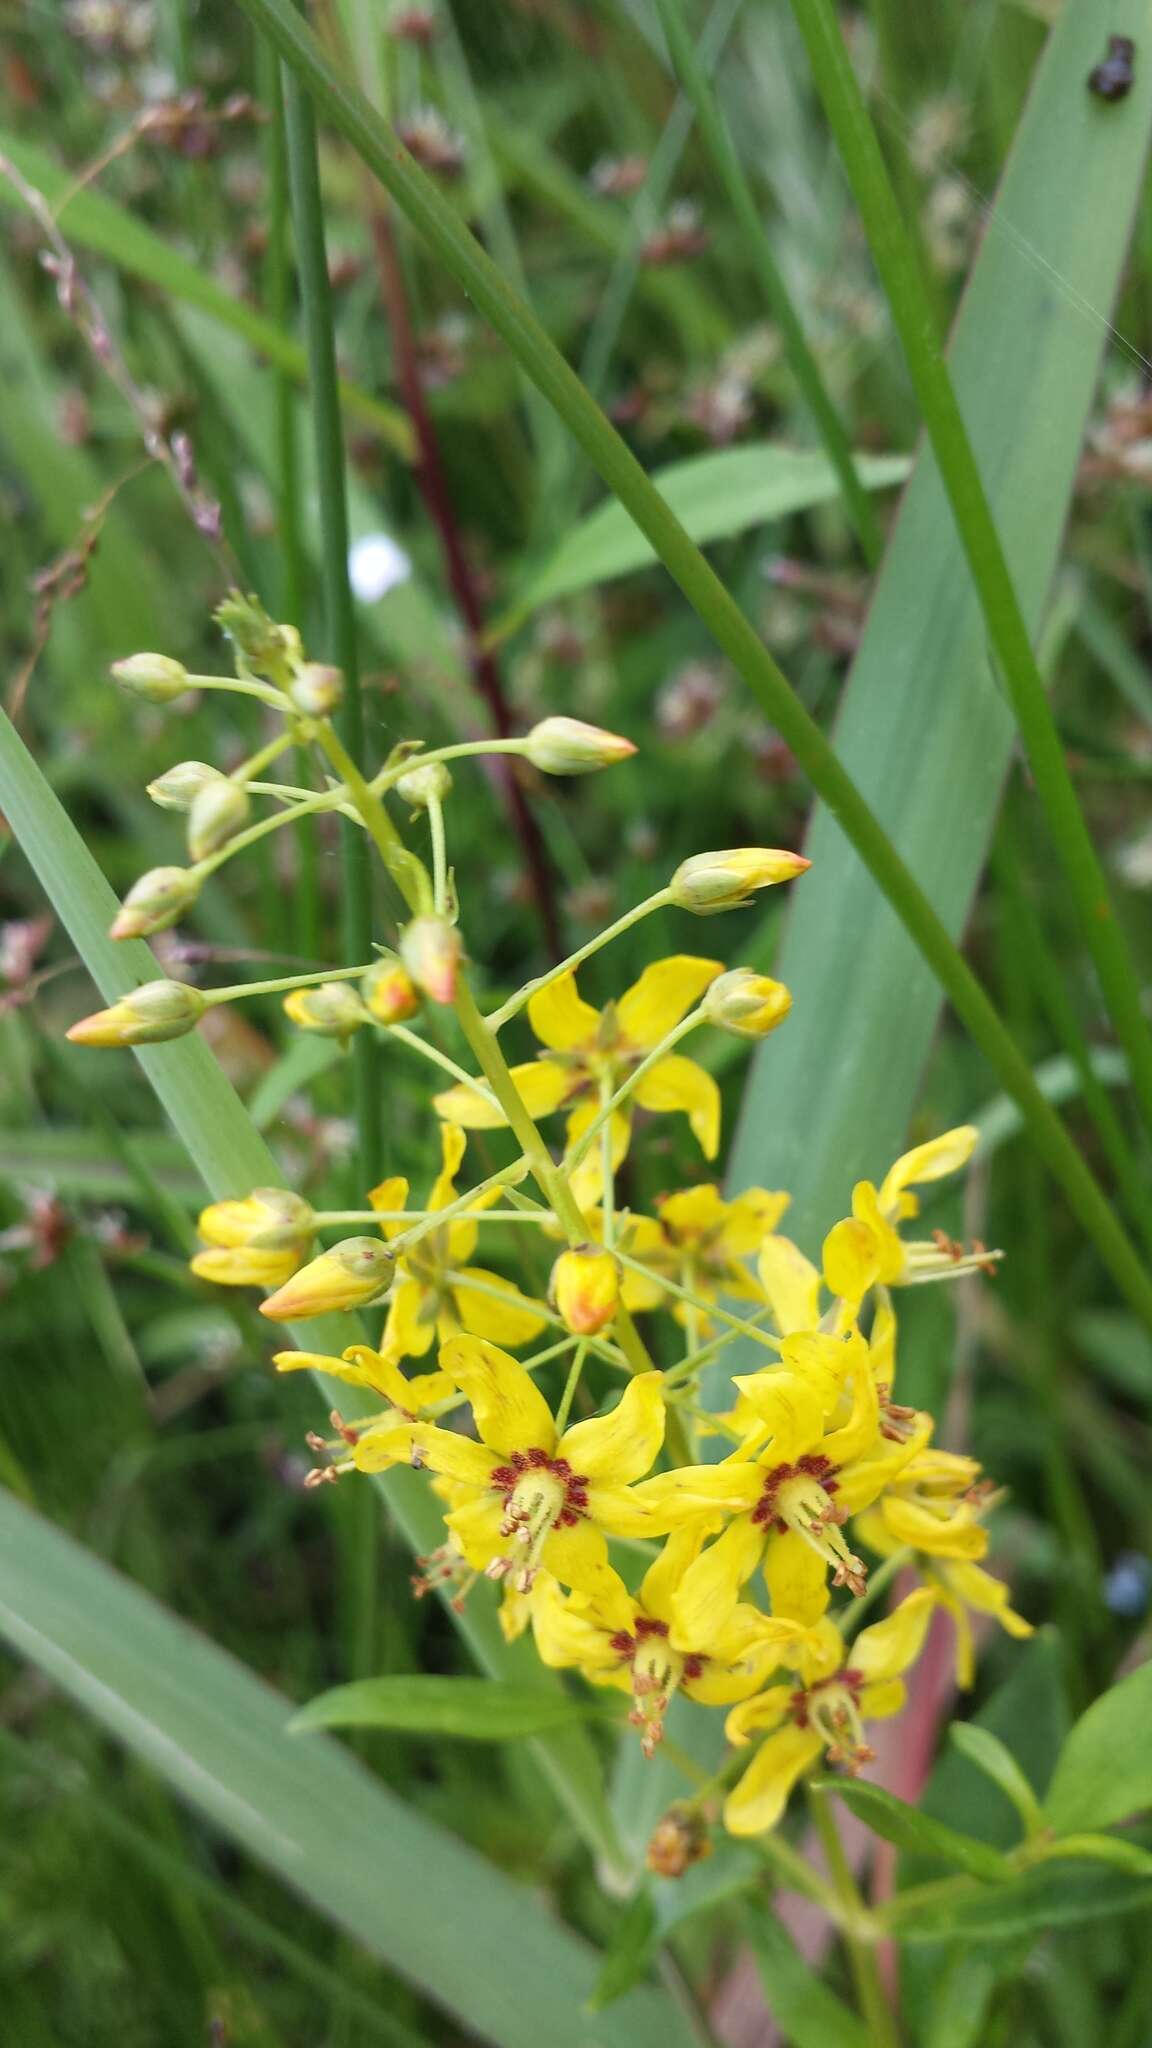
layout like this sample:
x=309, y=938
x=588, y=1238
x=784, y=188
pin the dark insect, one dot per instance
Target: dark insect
x=1112, y=79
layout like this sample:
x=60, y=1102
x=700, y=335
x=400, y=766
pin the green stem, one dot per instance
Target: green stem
x=238, y=989
x=498, y=1018
x=252, y=833
x=738, y=1325
x=440, y=1059
x=465, y=261
x=439, y=855
x=339, y=616
x=241, y=687
x=628, y=1087
x=896, y=259
x=599, y=1345
x=854, y=1916
x=718, y=141
x=570, y=1386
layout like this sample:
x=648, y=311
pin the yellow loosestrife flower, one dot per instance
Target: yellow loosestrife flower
x=900, y=1262
x=375, y=1372
x=839, y=1690
x=706, y=1242
x=437, y=1292
x=590, y=1049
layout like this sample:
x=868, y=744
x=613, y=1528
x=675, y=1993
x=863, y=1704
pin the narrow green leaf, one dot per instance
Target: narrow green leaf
x=806, y=2012
x=481, y=1946
x=629, y=1955
x=1103, y=1849
x=1037, y=1904
x=479, y=1709
x=1104, y=1772
x=997, y=1762
x=904, y=1825
x=713, y=496
x=960, y=2003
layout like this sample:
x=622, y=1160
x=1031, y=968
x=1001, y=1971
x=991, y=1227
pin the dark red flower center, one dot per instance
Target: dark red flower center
x=813, y=1466
x=505, y=1479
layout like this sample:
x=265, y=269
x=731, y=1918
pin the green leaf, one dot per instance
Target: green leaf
x=1104, y=1772
x=806, y=2012
x=479, y=1709
x=91, y=220
x=904, y=1825
x=997, y=1762
x=1042, y=1901
x=923, y=728
x=713, y=496
x=482, y=1947
x=1111, y=1849
x=960, y=2002
x=629, y=1955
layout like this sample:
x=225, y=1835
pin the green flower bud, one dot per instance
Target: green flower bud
x=316, y=689
x=425, y=783
x=176, y=789
x=155, y=902
x=749, y=1004
x=157, y=1011
x=265, y=648
x=216, y=814
x=333, y=1009
x=154, y=677
x=566, y=746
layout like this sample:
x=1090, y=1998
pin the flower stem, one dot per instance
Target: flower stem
x=853, y=1917
x=496, y=1019
x=239, y=989
x=570, y=1386
x=439, y=855
x=605, y=1114
x=439, y=1059
x=739, y=1326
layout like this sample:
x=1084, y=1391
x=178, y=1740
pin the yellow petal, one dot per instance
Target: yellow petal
x=988, y=1595
x=704, y=1601
x=475, y=1528
x=391, y=1194
x=940, y=1156
x=665, y=992
x=955, y=1535
x=511, y=1412
x=620, y=1511
x=565, y=1633
x=561, y=1018
x=454, y=1456
x=757, y=1802
x=245, y=1267
x=407, y=1332
x=890, y=1257
x=378, y=1450
x=693, y=1215
x=452, y=1143
x=587, y=1181
x=663, y=1577
x=749, y=1219
x=679, y=1083
x=759, y=1716
x=624, y=1445
x=880, y=1701
x=514, y=1613
x=791, y=1283
x=692, y=1490
x=425, y=1389
x=511, y=1320
x=577, y=1556
x=796, y=1577
x=851, y=1260
x=319, y=1361
x=887, y=1648
x=541, y=1084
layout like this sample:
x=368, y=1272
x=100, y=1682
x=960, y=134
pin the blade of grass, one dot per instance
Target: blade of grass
x=695, y=82
x=911, y=304
x=481, y=1946
x=462, y=256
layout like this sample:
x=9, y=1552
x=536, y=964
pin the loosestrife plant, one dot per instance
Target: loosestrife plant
x=756, y=1526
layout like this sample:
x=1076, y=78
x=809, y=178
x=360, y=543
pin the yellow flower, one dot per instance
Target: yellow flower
x=258, y=1242
x=751, y=1005
x=375, y=1372
x=707, y=1240
x=840, y=1689
x=433, y=1295
x=936, y=1506
x=528, y=1501
x=632, y=1641
x=589, y=1049
x=900, y=1262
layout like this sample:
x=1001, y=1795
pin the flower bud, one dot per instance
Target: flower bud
x=566, y=746
x=428, y=782
x=257, y=1242
x=680, y=1839
x=216, y=814
x=179, y=786
x=749, y=1004
x=431, y=950
x=585, y=1287
x=721, y=881
x=333, y=1009
x=316, y=689
x=351, y=1274
x=155, y=902
x=390, y=993
x=156, y=1011
x=155, y=677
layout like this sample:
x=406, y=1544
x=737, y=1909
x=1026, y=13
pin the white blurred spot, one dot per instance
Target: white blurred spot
x=375, y=566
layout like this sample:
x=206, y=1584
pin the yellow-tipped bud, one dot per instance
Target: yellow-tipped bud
x=155, y=902
x=749, y=1004
x=585, y=1287
x=156, y=1011
x=390, y=992
x=566, y=746
x=427, y=782
x=333, y=1009
x=431, y=950
x=216, y=814
x=257, y=1242
x=709, y=882
x=178, y=787
x=316, y=689
x=351, y=1274
x=155, y=677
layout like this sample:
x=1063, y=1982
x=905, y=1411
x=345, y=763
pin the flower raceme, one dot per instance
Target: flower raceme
x=541, y=1465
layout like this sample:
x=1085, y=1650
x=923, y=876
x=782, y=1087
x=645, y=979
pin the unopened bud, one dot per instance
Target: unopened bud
x=155, y=902
x=428, y=782
x=269, y=1219
x=567, y=746
x=749, y=1004
x=178, y=787
x=216, y=814
x=678, y=1841
x=157, y=1011
x=316, y=689
x=349, y=1275
x=333, y=1009
x=585, y=1287
x=390, y=993
x=155, y=677
x=431, y=950
x=709, y=882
